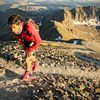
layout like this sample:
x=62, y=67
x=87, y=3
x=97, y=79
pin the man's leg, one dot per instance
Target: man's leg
x=33, y=58
x=27, y=67
x=34, y=61
x=28, y=63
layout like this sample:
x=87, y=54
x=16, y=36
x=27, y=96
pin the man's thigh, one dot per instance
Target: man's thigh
x=30, y=57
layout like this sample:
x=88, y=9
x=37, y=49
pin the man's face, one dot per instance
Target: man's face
x=15, y=28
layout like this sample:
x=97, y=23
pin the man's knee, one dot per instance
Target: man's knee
x=33, y=58
x=27, y=60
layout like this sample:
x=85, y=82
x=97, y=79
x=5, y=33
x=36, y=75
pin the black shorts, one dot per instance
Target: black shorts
x=27, y=43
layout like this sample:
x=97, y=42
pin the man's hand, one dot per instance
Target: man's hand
x=24, y=48
x=29, y=54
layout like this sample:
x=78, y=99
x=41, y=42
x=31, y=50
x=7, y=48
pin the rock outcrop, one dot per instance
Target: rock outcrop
x=86, y=13
x=78, y=23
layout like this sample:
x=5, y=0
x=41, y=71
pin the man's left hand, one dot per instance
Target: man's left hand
x=29, y=54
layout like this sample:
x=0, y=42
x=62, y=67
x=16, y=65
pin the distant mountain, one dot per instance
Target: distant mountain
x=2, y=2
x=87, y=0
x=11, y=1
x=78, y=23
x=61, y=24
x=56, y=1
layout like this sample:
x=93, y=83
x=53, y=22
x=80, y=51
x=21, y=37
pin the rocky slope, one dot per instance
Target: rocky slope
x=65, y=72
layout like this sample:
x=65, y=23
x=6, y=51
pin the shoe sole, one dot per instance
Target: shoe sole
x=29, y=79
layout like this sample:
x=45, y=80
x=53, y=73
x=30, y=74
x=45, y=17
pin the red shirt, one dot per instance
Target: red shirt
x=35, y=37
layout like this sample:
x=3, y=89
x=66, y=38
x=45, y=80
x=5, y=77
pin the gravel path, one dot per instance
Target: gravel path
x=61, y=74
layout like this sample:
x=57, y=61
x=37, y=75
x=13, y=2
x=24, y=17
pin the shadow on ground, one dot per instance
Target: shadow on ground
x=87, y=58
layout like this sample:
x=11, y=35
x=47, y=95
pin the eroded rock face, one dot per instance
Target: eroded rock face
x=86, y=13
x=77, y=14
x=78, y=23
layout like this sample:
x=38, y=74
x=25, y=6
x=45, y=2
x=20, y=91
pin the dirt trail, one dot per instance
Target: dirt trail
x=68, y=71
x=94, y=45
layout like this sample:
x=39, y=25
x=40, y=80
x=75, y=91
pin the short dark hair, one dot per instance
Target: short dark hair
x=14, y=19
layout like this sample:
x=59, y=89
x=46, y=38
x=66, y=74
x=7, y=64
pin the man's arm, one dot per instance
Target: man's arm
x=35, y=35
x=37, y=42
x=19, y=40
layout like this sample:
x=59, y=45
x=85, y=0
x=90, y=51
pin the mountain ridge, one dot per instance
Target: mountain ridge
x=77, y=23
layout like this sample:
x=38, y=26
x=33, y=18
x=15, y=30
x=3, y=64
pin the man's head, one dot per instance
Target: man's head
x=14, y=22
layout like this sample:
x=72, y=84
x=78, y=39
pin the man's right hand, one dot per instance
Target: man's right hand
x=24, y=48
